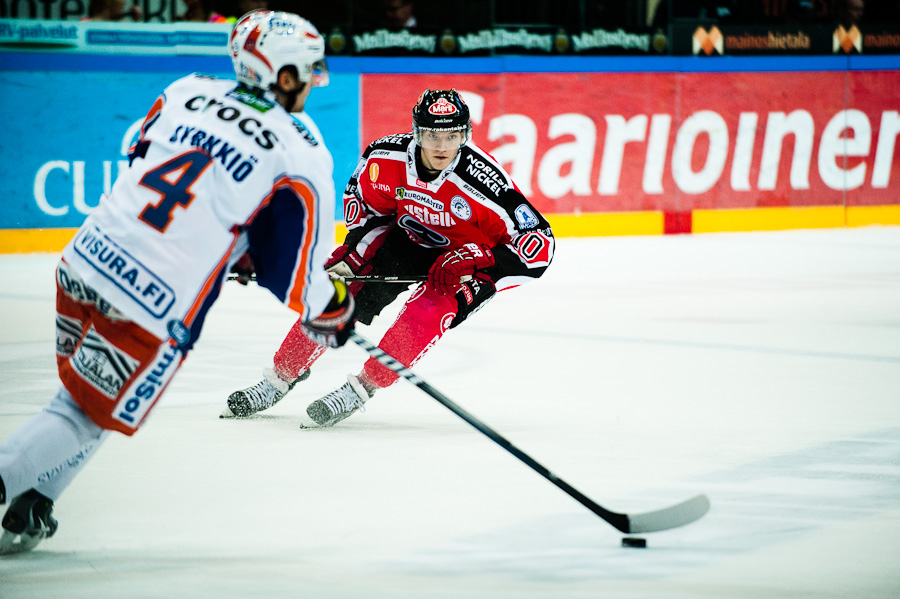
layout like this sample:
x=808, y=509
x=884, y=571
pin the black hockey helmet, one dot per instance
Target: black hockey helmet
x=441, y=110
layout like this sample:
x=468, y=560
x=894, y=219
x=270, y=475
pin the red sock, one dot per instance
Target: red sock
x=296, y=354
x=424, y=319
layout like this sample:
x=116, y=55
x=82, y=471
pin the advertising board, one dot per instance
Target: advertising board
x=673, y=142
x=622, y=145
x=69, y=135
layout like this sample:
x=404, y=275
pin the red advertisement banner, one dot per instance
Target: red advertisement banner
x=673, y=142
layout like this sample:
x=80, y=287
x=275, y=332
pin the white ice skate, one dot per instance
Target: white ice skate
x=261, y=396
x=27, y=522
x=337, y=405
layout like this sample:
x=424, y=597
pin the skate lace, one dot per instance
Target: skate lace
x=343, y=400
x=262, y=395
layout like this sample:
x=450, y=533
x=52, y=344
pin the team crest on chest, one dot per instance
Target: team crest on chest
x=460, y=207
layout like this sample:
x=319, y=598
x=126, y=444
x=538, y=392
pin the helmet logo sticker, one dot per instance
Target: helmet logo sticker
x=442, y=107
x=251, y=46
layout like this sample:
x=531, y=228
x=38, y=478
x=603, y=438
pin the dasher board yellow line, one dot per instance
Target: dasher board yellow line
x=595, y=224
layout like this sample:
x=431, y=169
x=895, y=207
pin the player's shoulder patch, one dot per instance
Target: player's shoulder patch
x=525, y=216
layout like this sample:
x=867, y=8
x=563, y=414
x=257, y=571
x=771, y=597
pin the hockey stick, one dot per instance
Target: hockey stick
x=663, y=519
x=378, y=279
x=365, y=279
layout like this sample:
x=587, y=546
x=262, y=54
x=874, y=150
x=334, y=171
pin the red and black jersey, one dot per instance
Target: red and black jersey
x=471, y=201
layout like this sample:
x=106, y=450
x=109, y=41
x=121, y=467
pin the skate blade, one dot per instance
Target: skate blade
x=307, y=423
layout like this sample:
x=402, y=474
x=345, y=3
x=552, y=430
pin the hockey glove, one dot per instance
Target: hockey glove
x=332, y=328
x=346, y=262
x=462, y=263
x=243, y=268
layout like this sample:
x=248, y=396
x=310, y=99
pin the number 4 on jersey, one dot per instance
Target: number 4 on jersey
x=172, y=180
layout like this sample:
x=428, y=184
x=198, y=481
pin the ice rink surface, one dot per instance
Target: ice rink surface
x=762, y=369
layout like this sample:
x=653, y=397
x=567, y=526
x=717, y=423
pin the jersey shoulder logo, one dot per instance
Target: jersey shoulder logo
x=525, y=216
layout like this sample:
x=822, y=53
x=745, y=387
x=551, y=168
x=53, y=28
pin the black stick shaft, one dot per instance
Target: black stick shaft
x=377, y=279
x=619, y=521
x=366, y=279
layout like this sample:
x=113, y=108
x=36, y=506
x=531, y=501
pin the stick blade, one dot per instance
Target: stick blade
x=671, y=517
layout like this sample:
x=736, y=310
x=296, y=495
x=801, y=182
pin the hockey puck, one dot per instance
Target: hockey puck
x=634, y=542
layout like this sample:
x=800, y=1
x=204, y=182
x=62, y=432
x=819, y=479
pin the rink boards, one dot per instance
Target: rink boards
x=602, y=145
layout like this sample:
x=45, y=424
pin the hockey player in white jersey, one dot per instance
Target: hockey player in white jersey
x=221, y=174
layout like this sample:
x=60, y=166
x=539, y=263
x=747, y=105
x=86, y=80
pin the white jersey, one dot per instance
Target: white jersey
x=216, y=172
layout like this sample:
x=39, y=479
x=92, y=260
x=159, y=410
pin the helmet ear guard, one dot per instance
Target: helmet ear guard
x=263, y=42
x=441, y=110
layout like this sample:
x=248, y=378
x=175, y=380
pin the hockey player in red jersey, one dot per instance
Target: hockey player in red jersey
x=431, y=203
x=221, y=170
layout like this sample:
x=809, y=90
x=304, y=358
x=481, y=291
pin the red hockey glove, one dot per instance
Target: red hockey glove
x=333, y=326
x=346, y=262
x=448, y=270
x=243, y=268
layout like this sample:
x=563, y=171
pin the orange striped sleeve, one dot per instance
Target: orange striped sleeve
x=304, y=260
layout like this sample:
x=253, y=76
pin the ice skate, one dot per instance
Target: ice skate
x=261, y=396
x=337, y=405
x=27, y=522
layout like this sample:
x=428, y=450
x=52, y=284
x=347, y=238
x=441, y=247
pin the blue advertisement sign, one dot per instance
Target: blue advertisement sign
x=67, y=134
x=187, y=37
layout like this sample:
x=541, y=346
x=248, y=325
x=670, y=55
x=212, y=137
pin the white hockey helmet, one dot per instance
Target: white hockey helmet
x=265, y=41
